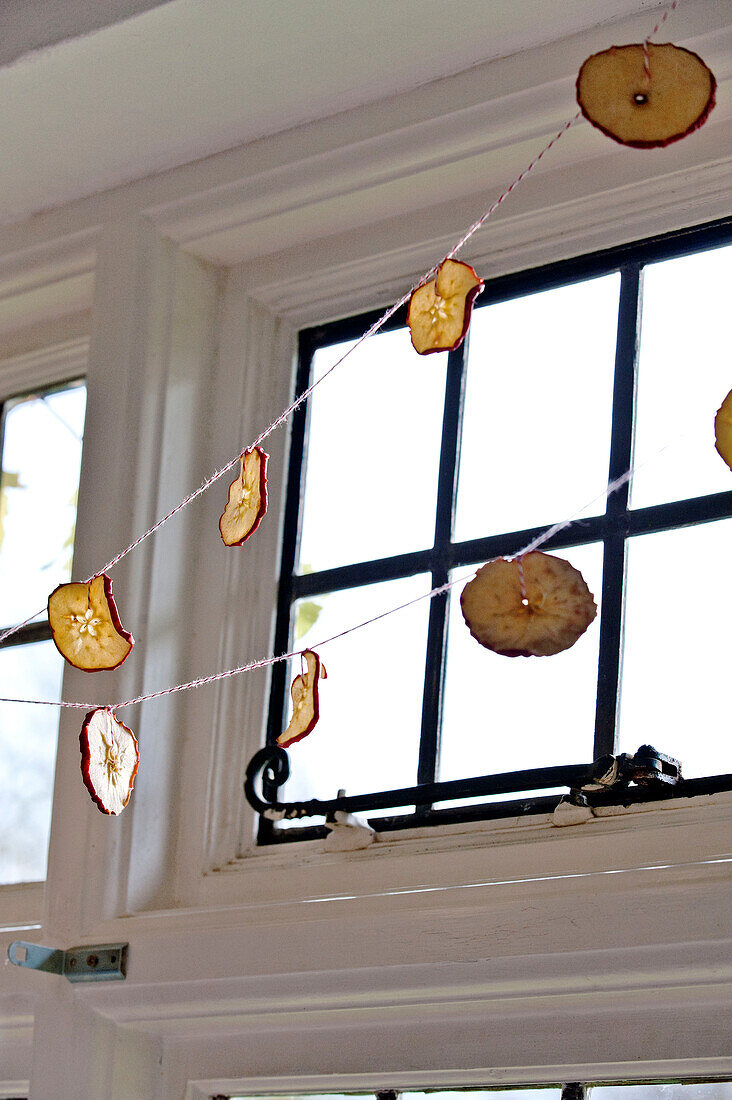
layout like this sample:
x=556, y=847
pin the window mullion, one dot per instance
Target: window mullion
x=444, y=516
x=290, y=548
x=614, y=559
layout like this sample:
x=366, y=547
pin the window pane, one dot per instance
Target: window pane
x=41, y=455
x=373, y=453
x=27, y=759
x=538, y=1093
x=505, y=714
x=708, y=1090
x=536, y=435
x=683, y=377
x=676, y=661
x=367, y=737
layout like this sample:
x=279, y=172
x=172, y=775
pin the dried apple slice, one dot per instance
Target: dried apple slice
x=109, y=759
x=86, y=627
x=536, y=605
x=247, y=501
x=646, y=106
x=305, y=699
x=723, y=430
x=439, y=312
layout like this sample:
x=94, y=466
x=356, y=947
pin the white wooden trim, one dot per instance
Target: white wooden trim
x=453, y=958
x=237, y=585
x=414, y=151
x=44, y=366
x=371, y=268
x=418, y=1080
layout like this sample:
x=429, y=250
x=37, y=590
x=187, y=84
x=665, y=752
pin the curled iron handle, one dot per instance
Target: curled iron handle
x=273, y=764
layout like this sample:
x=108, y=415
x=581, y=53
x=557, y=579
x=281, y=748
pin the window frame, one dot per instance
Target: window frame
x=49, y=366
x=612, y=529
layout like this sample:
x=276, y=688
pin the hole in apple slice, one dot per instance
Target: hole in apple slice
x=109, y=760
x=439, y=312
x=305, y=699
x=86, y=627
x=247, y=501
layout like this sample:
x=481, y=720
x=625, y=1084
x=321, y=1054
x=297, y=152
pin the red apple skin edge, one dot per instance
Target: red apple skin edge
x=320, y=674
x=469, y=299
x=114, y=616
x=263, y=460
x=86, y=761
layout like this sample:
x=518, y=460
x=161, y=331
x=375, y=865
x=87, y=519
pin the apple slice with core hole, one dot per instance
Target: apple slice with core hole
x=533, y=606
x=723, y=430
x=109, y=759
x=86, y=627
x=646, y=106
x=247, y=501
x=439, y=312
x=305, y=699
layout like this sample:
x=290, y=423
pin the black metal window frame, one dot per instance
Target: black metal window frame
x=612, y=529
x=39, y=631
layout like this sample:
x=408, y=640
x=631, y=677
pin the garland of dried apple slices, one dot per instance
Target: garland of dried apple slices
x=641, y=95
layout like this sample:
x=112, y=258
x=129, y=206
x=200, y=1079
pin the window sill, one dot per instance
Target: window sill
x=508, y=852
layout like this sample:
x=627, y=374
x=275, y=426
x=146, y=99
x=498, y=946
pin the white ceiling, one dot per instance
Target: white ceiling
x=188, y=78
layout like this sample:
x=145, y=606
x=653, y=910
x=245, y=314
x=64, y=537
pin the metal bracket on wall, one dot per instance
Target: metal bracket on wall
x=103, y=962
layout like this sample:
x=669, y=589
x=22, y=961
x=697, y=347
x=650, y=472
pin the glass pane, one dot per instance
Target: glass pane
x=683, y=377
x=41, y=455
x=676, y=659
x=536, y=435
x=27, y=759
x=367, y=738
x=548, y=1092
x=708, y=1090
x=373, y=453
x=505, y=714
x=539, y=1093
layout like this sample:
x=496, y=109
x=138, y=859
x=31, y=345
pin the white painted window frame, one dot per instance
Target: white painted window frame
x=500, y=952
x=45, y=366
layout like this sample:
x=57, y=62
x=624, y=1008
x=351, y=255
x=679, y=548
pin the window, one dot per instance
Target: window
x=40, y=454
x=408, y=471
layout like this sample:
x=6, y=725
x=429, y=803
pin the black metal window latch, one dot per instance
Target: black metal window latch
x=586, y=784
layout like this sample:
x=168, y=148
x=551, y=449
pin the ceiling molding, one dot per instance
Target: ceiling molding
x=293, y=191
x=49, y=280
x=513, y=242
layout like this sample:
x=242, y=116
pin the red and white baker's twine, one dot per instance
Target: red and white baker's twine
x=378, y=324
x=306, y=393
x=263, y=662
x=656, y=29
